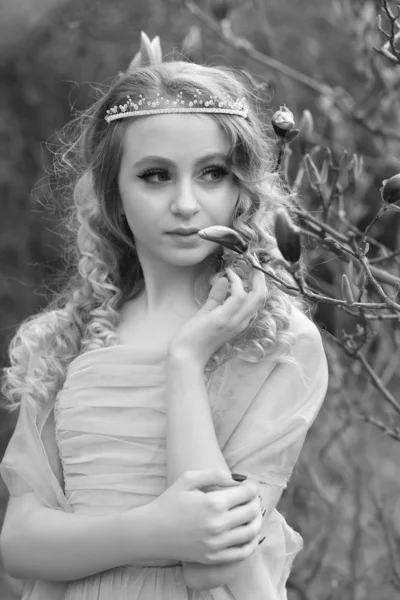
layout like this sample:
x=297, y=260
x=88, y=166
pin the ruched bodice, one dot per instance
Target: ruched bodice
x=111, y=429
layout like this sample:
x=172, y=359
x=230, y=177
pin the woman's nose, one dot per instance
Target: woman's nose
x=184, y=199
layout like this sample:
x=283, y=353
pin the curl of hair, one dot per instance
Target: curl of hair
x=105, y=268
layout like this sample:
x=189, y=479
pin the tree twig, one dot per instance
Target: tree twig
x=377, y=381
x=389, y=431
x=243, y=45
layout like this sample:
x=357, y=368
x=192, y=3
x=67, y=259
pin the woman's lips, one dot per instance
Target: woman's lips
x=188, y=238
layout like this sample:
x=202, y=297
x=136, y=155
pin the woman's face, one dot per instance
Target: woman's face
x=174, y=173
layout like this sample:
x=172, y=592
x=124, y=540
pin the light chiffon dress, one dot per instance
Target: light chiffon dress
x=108, y=426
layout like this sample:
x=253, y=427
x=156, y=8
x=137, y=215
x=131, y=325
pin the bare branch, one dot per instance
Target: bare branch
x=393, y=36
x=393, y=433
x=378, y=382
x=243, y=45
x=390, y=542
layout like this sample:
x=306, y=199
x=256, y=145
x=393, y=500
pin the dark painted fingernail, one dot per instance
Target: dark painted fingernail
x=263, y=512
x=261, y=540
x=238, y=477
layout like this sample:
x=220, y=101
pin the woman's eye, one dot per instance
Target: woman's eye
x=216, y=173
x=212, y=174
x=155, y=176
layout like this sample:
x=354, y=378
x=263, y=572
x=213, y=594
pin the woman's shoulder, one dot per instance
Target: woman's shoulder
x=301, y=326
x=302, y=347
x=307, y=351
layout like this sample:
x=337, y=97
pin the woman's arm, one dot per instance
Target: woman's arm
x=38, y=542
x=192, y=445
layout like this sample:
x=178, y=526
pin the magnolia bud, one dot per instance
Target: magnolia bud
x=192, y=45
x=291, y=135
x=354, y=168
x=149, y=54
x=224, y=236
x=306, y=136
x=307, y=125
x=347, y=292
x=312, y=171
x=287, y=236
x=326, y=165
x=391, y=189
x=220, y=9
x=361, y=279
x=282, y=121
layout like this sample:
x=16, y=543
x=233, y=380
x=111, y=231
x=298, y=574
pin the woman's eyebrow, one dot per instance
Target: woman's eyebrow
x=163, y=159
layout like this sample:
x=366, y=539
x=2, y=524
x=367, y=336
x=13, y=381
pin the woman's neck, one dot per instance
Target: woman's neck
x=181, y=303
x=173, y=290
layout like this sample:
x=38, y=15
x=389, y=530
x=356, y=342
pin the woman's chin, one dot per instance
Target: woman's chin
x=187, y=258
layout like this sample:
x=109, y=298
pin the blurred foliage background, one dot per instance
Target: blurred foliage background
x=343, y=496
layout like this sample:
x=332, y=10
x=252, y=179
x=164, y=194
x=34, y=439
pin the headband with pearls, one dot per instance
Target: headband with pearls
x=197, y=104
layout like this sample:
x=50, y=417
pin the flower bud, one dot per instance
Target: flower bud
x=354, y=168
x=307, y=125
x=391, y=189
x=224, y=236
x=361, y=279
x=149, y=54
x=287, y=236
x=282, y=121
x=312, y=171
x=220, y=9
x=291, y=135
x=307, y=136
x=192, y=45
x=347, y=292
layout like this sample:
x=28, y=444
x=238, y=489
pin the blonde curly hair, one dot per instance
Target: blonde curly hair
x=85, y=313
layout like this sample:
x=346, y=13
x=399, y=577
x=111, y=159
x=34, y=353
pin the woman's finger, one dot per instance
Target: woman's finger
x=217, y=294
x=233, y=304
x=258, y=292
x=257, y=282
x=238, y=293
x=244, y=274
x=242, y=305
x=256, y=296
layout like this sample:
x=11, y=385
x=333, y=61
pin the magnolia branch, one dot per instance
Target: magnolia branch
x=309, y=295
x=394, y=35
x=376, y=380
x=390, y=540
x=243, y=45
x=335, y=238
x=389, y=431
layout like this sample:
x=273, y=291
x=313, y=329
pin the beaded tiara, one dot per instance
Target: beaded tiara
x=198, y=103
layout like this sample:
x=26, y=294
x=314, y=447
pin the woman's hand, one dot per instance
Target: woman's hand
x=220, y=319
x=213, y=527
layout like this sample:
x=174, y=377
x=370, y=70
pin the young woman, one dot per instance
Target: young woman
x=166, y=365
